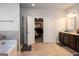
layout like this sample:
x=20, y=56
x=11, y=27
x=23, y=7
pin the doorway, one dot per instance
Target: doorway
x=38, y=29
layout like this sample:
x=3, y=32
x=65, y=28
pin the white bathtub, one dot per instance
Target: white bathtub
x=7, y=47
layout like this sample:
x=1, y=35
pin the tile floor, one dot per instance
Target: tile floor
x=48, y=49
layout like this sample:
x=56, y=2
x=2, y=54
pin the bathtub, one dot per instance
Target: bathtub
x=8, y=47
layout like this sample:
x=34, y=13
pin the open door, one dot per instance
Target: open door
x=30, y=30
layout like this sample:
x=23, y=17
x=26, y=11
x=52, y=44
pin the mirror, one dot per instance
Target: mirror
x=71, y=21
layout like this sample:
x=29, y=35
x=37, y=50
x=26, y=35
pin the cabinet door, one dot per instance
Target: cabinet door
x=77, y=43
x=72, y=41
x=66, y=39
x=61, y=37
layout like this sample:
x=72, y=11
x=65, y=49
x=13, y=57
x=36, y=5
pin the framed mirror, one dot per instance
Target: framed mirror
x=71, y=23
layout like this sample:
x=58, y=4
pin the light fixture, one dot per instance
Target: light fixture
x=71, y=14
x=33, y=4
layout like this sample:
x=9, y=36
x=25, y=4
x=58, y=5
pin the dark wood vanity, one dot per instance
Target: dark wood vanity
x=69, y=39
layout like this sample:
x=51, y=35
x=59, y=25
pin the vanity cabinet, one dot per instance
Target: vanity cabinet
x=61, y=37
x=70, y=40
x=77, y=43
x=66, y=39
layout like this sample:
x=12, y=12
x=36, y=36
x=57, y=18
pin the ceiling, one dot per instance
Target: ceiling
x=61, y=6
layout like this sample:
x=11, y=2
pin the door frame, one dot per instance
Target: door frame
x=43, y=26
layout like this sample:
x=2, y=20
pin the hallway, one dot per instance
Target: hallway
x=48, y=49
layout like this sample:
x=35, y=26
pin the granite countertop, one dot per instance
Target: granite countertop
x=7, y=45
x=73, y=33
